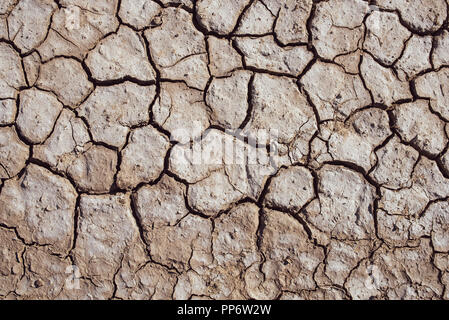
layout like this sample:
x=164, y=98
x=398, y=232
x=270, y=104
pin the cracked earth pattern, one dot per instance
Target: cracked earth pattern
x=100, y=200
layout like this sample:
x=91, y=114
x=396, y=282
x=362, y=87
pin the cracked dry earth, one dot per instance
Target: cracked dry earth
x=101, y=199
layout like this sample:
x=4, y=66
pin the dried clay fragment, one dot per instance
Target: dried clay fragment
x=41, y=206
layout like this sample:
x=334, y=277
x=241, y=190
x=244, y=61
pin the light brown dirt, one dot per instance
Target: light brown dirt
x=244, y=149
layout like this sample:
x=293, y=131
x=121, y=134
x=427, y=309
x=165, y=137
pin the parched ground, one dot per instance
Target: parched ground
x=238, y=149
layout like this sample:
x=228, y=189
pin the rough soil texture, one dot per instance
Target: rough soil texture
x=105, y=104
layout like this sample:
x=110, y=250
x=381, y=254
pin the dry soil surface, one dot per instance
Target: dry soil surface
x=212, y=149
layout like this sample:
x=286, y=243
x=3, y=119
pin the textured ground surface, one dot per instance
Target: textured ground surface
x=265, y=149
